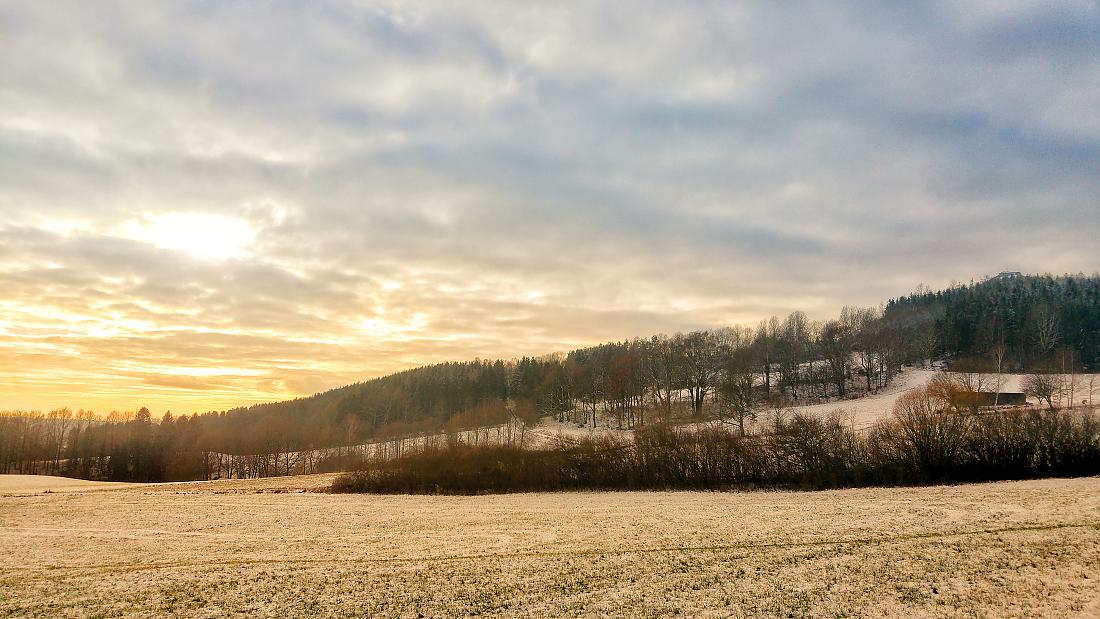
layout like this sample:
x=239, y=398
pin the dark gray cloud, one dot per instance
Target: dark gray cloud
x=433, y=181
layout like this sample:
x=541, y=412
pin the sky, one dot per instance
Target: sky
x=207, y=204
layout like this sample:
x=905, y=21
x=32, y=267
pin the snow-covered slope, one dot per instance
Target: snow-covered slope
x=861, y=412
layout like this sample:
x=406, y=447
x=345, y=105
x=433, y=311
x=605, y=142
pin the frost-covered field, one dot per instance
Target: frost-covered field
x=34, y=484
x=269, y=547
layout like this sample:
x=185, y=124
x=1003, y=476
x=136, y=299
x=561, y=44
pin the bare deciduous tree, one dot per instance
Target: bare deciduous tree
x=1041, y=387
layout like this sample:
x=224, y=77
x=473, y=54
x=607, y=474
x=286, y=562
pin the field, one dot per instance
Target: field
x=272, y=547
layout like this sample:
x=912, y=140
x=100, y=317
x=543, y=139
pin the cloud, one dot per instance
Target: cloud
x=394, y=184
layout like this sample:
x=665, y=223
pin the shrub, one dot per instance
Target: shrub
x=924, y=442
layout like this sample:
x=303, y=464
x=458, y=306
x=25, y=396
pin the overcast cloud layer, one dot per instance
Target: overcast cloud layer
x=208, y=204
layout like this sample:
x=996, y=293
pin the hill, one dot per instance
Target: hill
x=729, y=373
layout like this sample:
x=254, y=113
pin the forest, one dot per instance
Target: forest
x=1039, y=324
x=1022, y=322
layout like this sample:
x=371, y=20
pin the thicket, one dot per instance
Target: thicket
x=922, y=444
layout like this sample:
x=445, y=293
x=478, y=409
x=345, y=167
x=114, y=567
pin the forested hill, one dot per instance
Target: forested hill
x=1038, y=320
x=1031, y=320
x=1018, y=322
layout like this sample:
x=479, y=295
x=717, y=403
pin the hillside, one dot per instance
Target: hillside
x=729, y=374
x=1039, y=320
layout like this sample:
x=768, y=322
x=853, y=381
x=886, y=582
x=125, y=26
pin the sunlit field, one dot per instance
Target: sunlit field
x=278, y=547
x=406, y=308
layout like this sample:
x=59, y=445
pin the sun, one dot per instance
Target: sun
x=201, y=235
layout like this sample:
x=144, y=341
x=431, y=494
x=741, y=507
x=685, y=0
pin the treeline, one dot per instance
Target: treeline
x=122, y=447
x=925, y=442
x=1019, y=322
x=135, y=447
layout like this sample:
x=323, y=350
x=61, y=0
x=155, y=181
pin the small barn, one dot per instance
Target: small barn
x=1003, y=398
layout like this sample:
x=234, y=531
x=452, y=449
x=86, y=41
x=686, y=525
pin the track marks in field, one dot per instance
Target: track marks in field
x=116, y=568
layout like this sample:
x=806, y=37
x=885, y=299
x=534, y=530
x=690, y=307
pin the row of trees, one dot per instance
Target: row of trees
x=727, y=373
x=124, y=446
x=135, y=447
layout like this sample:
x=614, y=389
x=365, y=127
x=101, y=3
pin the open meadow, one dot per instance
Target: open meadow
x=277, y=547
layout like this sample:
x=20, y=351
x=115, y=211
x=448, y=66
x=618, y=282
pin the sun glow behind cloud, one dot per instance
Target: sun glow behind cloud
x=200, y=235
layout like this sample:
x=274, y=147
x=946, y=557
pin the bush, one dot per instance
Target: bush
x=922, y=443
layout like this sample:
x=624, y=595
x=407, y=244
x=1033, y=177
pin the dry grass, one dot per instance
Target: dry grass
x=263, y=547
x=36, y=484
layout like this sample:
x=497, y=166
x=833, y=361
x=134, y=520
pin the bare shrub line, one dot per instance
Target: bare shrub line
x=926, y=441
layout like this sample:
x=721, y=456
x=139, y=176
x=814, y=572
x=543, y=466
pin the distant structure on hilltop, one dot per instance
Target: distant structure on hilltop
x=1004, y=398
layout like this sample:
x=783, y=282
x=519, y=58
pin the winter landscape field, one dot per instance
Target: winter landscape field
x=276, y=546
x=409, y=308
